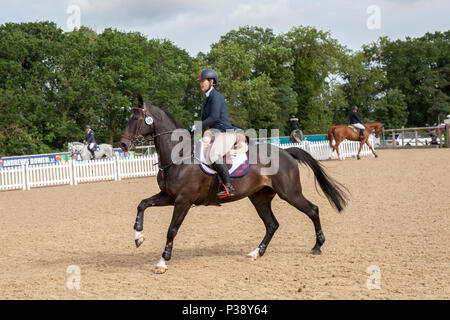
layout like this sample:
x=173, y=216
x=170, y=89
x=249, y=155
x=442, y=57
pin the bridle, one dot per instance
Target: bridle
x=139, y=138
x=148, y=120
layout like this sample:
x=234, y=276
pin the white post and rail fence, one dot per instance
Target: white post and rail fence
x=74, y=172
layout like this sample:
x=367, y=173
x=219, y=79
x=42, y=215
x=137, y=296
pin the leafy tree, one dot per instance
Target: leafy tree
x=392, y=109
x=314, y=56
x=420, y=69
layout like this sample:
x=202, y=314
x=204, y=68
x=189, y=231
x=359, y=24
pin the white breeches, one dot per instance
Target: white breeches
x=358, y=125
x=223, y=142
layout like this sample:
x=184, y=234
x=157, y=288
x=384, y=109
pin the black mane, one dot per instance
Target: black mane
x=170, y=116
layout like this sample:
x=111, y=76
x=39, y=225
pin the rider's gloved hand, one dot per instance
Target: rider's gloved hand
x=191, y=129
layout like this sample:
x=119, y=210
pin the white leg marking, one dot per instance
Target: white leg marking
x=161, y=266
x=138, y=235
x=254, y=254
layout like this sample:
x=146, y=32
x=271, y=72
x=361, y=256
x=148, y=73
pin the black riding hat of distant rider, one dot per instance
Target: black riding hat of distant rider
x=208, y=74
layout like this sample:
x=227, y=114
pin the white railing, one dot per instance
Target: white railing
x=48, y=175
x=75, y=172
x=94, y=170
x=12, y=178
x=137, y=167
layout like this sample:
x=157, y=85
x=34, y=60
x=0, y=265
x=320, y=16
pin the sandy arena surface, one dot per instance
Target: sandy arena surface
x=398, y=219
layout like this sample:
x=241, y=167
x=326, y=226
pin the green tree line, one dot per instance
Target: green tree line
x=53, y=83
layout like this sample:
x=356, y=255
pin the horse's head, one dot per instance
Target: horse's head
x=140, y=125
x=75, y=147
x=378, y=129
x=375, y=126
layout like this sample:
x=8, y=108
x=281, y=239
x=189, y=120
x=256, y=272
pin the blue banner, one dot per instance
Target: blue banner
x=35, y=159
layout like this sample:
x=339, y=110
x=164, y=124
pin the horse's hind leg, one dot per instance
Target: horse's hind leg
x=158, y=200
x=312, y=211
x=262, y=200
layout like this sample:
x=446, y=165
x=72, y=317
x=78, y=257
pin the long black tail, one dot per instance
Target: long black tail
x=333, y=190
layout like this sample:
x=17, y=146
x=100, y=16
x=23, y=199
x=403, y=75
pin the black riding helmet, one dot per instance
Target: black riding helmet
x=208, y=74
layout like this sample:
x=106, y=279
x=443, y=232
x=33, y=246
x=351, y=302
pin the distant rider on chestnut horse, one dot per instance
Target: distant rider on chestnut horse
x=357, y=123
x=340, y=133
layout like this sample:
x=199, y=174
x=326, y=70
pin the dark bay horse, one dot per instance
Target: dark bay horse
x=339, y=133
x=184, y=184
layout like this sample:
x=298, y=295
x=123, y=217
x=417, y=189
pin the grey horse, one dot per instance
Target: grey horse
x=105, y=150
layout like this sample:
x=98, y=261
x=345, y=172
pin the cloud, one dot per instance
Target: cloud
x=262, y=13
x=195, y=24
x=131, y=12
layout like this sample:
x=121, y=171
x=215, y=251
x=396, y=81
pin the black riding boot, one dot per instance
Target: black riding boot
x=92, y=154
x=361, y=134
x=227, y=189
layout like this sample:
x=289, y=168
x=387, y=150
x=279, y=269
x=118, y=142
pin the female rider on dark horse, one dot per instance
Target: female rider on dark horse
x=215, y=116
x=183, y=185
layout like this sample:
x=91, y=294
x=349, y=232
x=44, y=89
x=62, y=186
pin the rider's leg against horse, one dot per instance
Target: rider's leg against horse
x=227, y=188
x=91, y=148
x=361, y=134
x=223, y=142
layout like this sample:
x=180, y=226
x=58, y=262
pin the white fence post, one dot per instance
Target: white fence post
x=27, y=174
x=117, y=160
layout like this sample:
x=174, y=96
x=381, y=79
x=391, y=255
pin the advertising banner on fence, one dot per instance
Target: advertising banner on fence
x=50, y=158
x=35, y=159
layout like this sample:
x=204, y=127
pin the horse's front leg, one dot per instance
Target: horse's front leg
x=158, y=200
x=370, y=147
x=180, y=210
x=360, y=148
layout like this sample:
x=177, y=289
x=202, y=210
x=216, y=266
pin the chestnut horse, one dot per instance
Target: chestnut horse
x=184, y=184
x=339, y=133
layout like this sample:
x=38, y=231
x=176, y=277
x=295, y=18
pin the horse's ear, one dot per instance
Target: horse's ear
x=140, y=101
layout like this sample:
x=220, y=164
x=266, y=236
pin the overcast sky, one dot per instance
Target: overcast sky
x=195, y=24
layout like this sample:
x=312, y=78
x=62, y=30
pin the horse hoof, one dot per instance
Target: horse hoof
x=316, y=252
x=138, y=238
x=139, y=241
x=160, y=270
x=376, y=156
x=253, y=255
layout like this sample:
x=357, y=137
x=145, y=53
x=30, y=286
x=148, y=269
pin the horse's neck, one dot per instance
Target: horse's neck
x=164, y=145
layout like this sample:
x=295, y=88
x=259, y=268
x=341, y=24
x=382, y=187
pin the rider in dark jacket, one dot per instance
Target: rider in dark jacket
x=295, y=133
x=215, y=116
x=90, y=140
x=215, y=112
x=356, y=122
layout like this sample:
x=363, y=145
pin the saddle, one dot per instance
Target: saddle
x=355, y=130
x=236, y=159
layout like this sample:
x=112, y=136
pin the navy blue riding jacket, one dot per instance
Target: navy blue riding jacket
x=354, y=118
x=294, y=125
x=215, y=112
x=90, y=138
